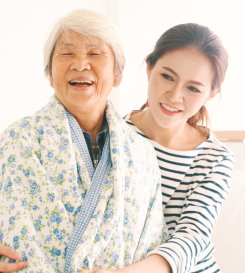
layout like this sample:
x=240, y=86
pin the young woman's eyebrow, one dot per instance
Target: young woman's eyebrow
x=170, y=70
x=197, y=83
x=176, y=74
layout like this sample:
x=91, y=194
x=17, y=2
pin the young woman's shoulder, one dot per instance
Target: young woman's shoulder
x=214, y=155
x=214, y=145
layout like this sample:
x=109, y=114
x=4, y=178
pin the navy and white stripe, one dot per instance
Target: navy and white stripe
x=194, y=186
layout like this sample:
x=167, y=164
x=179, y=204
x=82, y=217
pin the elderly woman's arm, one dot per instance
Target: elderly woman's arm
x=153, y=263
x=12, y=254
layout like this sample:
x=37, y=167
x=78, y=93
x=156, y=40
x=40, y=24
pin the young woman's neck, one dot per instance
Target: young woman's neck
x=182, y=137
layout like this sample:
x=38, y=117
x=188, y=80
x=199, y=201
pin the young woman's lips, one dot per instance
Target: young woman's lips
x=169, y=110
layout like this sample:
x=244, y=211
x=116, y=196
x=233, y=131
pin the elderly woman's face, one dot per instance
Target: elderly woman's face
x=82, y=72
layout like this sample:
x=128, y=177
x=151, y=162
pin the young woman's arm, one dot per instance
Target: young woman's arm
x=188, y=243
x=153, y=263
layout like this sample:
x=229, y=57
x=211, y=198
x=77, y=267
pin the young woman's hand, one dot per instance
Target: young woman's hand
x=96, y=271
x=12, y=254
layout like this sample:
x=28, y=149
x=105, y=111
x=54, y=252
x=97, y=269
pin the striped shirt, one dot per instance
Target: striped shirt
x=194, y=186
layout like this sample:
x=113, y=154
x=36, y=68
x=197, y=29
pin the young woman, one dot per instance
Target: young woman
x=185, y=70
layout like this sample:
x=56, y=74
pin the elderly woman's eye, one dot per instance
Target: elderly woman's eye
x=66, y=54
x=94, y=54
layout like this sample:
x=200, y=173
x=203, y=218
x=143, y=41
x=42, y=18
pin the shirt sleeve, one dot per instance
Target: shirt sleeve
x=197, y=220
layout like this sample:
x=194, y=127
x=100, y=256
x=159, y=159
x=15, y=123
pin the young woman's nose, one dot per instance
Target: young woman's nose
x=81, y=63
x=175, y=94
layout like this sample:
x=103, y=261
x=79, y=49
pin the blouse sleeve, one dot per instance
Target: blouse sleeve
x=194, y=228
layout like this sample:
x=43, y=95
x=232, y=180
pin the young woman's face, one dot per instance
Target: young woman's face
x=179, y=85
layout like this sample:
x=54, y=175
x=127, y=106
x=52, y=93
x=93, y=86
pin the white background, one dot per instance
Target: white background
x=24, y=26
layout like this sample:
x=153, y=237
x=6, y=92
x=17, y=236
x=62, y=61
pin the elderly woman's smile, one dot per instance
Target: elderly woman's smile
x=81, y=83
x=82, y=72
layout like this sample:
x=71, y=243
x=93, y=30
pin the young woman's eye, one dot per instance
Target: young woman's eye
x=167, y=77
x=194, y=89
x=67, y=54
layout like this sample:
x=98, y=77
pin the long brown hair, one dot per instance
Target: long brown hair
x=204, y=40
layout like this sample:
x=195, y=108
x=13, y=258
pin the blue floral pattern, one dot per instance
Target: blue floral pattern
x=43, y=182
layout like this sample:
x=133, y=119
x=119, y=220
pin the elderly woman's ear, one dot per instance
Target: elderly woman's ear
x=118, y=78
x=50, y=79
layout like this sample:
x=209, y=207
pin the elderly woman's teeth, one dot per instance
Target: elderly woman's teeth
x=168, y=108
x=87, y=82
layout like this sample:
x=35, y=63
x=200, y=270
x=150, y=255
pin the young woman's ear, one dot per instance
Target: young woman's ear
x=148, y=70
x=213, y=94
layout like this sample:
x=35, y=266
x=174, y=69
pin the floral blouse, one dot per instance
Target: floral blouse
x=44, y=183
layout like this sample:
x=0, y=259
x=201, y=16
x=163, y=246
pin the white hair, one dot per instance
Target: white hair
x=87, y=23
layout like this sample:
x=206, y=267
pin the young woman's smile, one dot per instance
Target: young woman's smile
x=169, y=110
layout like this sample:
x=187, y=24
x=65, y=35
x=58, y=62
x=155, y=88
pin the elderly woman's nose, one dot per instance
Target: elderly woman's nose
x=81, y=63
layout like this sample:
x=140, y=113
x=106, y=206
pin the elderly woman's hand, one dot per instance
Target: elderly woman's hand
x=12, y=254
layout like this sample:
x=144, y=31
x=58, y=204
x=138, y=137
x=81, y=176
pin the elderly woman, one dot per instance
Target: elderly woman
x=79, y=188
